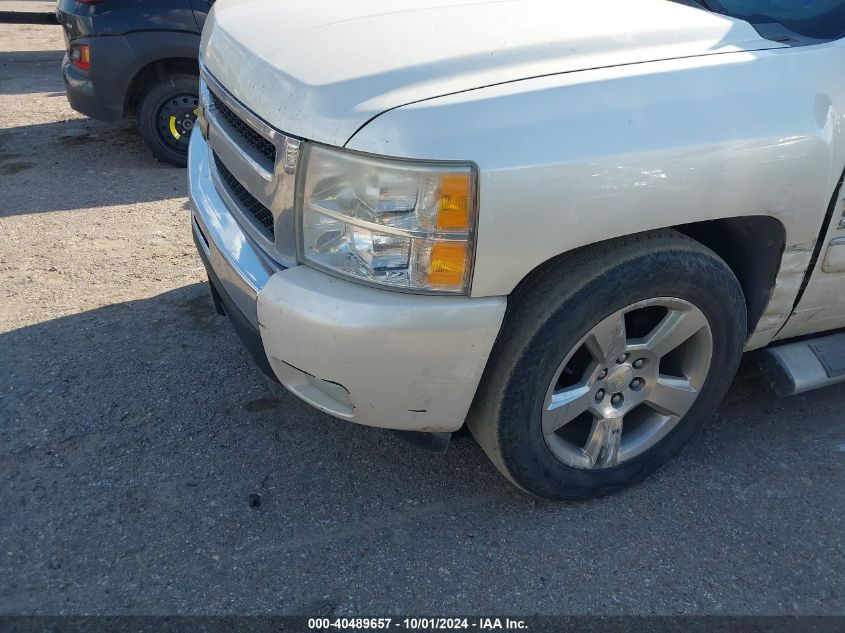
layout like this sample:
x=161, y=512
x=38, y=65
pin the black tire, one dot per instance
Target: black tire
x=182, y=90
x=547, y=317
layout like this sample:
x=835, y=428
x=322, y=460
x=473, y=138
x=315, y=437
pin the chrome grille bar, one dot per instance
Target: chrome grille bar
x=266, y=151
x=257, y=168
x=257, y=210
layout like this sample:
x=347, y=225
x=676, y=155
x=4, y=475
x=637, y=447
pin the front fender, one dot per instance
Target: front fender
x=573, y=159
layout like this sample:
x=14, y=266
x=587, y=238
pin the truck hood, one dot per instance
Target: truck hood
x=322, y=69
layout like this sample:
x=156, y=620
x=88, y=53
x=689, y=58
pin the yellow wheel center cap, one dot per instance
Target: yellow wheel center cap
x=619, y=379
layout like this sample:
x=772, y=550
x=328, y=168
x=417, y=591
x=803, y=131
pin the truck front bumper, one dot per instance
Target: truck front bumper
x=375, y=357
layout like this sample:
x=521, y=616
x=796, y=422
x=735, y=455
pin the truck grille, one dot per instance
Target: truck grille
x=254, y=167
x=243, y=131
x=250, y=203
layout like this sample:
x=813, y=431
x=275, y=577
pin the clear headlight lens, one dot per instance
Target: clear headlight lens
x=403, y=224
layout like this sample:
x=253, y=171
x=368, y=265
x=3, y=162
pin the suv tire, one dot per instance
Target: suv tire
x=166, y=115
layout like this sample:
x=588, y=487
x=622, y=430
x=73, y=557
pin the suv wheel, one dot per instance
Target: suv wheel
x=607, y=363
x=166, y=115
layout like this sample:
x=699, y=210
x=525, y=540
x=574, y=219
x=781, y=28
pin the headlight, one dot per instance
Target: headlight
x=399, y=223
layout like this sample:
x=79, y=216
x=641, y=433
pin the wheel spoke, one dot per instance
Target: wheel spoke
x=672, y=396
x=676, y=328
x=602, y=448
x=565, y=406
x=606, y=341
x=622, y=370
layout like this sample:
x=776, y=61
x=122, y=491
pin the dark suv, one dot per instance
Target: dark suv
x=136, y=59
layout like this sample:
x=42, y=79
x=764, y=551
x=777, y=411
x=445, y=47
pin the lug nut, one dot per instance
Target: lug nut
x=637, y=384
x=639, y=363
x=623, y=358
x=599, y=395
x=602, y=374
x=617, y=399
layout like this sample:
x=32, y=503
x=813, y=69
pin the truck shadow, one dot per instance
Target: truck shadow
x=143, y=427
x=165, y=381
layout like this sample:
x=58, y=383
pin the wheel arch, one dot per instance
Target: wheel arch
x=751, y=246
x=155, y=71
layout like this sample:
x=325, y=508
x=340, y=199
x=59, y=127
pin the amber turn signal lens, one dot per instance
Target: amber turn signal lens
x=448, y=263
x=453, y=209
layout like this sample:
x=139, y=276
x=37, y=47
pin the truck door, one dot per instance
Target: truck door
x=820, y=304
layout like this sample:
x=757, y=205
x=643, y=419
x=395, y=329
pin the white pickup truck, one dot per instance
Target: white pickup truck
x=558, y=222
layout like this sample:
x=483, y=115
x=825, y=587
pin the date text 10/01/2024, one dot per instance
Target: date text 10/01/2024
x=417, y=624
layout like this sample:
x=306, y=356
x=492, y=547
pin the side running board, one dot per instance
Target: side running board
x=803, y=366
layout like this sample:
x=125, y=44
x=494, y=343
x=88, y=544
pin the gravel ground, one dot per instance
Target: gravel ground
x=44, y=6
x=133, y=428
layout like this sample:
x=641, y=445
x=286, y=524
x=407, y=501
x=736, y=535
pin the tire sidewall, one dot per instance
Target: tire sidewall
x=151, y=103
x=697, y=277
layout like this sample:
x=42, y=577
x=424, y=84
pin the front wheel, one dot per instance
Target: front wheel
x=166, y=115
x=607, y=363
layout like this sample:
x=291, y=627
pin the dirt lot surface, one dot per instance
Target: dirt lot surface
x=133, y=428
x=28, y=6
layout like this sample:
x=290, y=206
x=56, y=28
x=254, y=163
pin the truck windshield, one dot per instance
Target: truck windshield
x=818, y=19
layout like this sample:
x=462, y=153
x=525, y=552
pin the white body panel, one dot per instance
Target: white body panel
x=823, y=305
x=575, y=159
x=320, y=70
x=404, y=361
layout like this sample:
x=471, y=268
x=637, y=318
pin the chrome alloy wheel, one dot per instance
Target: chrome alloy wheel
x=627, y=383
